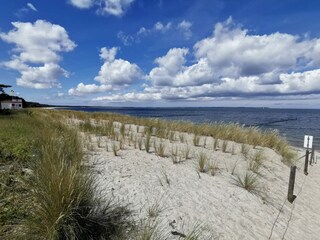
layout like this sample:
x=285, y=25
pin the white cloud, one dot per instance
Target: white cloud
x=105, y=7
x=83, y=89
x=169, y=67
x=115, y=7
x=26, y=9
x=300, y=82
x=232, y=62
x=83, y=4
x=32, y=7
x=173, y=72
x=36, y=52
x=229, y=64
x=142, y=30
x=185, y=28
x=127, y=40
x=130, y=97
x=108, y=55
x=159, y=26
x=117, y=72
x=45, y=76
x=232, y=52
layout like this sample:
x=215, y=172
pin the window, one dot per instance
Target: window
x=12, y=104
x=19, y=105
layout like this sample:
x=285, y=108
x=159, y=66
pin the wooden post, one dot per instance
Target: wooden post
x=306, y=163
x=313, y=155
x=292, y=177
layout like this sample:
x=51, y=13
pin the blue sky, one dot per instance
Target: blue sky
x=162, y=53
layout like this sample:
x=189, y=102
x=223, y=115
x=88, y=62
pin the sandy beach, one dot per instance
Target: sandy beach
x=176, y=196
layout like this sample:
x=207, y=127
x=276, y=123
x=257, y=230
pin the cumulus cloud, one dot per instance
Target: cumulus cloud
x=45, y=76
x=185, y=28
x=37, y=51
x=115, y=74
x=232, y=53
x=105, y=7
x=233, y=63
x=300, y=82
x=83, y=89
x=173, y=72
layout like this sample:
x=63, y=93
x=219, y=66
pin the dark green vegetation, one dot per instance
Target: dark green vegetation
x=45, y=192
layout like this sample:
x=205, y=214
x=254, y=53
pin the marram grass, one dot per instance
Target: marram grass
x=60, y=201
x=228, y=132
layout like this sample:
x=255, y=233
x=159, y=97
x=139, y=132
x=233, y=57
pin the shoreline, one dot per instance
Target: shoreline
x=292, y=133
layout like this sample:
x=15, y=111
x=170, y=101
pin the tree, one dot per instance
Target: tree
x=2, y=86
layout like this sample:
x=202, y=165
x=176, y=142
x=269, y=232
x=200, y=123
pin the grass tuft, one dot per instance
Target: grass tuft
x=202, y=161
x=248, y=182
x=160, y=149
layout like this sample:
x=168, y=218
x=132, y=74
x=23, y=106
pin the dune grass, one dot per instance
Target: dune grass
x=249, y=181
x=54, y=198
x=159, y=149
x=47, y=157
x=202, y=162
x=225, y=131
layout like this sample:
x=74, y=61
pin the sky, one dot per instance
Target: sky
x=162, y=53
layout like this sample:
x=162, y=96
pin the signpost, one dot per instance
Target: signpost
x=308, y=140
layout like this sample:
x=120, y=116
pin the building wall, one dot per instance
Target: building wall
x=6, y=105
x=11, y=105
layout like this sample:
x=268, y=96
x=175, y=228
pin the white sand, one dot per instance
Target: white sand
x=230, y=212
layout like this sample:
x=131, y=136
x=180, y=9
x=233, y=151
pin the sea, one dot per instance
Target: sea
x=292, y=124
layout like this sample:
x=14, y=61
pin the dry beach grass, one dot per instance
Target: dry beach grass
x=165, y=180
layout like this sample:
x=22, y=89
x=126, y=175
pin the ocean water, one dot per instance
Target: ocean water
x=292, y=124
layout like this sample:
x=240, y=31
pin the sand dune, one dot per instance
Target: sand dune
x=180, y=198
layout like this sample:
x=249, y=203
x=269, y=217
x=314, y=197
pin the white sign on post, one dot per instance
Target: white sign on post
x=308, y=141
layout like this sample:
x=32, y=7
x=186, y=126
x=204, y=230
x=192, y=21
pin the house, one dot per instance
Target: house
x=11, y=104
